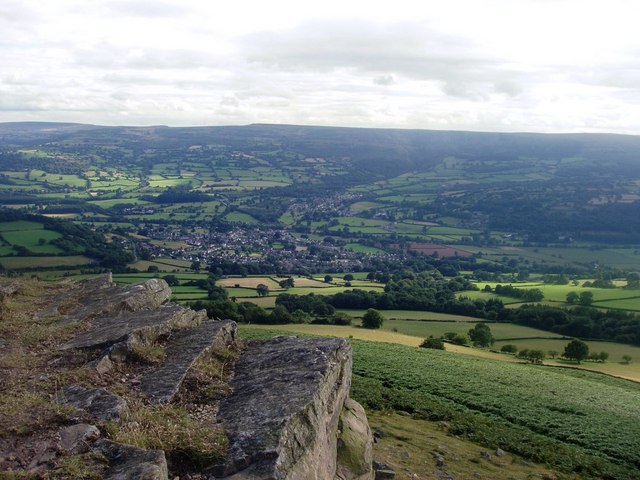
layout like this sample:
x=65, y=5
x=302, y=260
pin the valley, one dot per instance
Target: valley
x=304, y=230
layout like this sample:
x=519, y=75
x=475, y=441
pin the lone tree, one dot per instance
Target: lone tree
x=262, y=290
x=287, y=283
x=372, y=319
x=481, y=335
x=433, y=342
x=586, y=298
x=572, y=298
x=536, y=356
x=576, y=350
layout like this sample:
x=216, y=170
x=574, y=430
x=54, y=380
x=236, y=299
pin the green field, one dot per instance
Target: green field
x=423, y=329
x=19, y=226
x=356, y=247
x=415, y=315
x=16, y=263
x=35, y=240
x=239, y=217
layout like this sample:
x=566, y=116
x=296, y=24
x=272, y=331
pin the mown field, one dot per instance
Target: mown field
x=500, y=331
x=578, y=422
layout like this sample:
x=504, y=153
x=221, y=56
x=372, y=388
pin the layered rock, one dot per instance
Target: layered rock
x=97, y=402
x=289, y=416
x=136, y=327
x=282, y=419
x=100, y=296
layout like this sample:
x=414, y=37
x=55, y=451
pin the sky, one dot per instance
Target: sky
x=490, y=65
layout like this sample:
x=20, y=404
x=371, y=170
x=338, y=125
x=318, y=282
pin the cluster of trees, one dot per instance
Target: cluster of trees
x=579, y=321
x=179, y=194
x=534, y=355
x=526, y=294
x=430, y=291
x=480, y=335
x=582, y=298
x=76, y=239
x=575, y=350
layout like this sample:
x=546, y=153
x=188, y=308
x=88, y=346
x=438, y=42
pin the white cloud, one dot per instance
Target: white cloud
x=535, y=65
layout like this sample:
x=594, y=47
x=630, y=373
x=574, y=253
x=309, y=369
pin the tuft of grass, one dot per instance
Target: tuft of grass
x=151, y=353
x=207, y=381
x=24, y=412
x=180, y=433
x=89, y=466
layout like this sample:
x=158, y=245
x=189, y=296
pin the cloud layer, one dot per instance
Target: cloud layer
x=497, y=65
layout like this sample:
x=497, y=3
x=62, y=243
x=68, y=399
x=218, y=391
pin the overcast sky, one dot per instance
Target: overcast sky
x=491, y=65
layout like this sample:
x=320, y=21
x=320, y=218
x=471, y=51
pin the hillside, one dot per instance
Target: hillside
x=582, y=424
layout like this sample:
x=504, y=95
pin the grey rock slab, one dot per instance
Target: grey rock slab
x=99, y=403
x=69, y=292
x=101, y=297
x=386, y=474
x=183, y=350
x=144, y=325
x=127, y=462
x=78, y=438
x=282, y=418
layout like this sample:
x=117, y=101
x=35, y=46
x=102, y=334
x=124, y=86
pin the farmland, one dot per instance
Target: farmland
x=620, y=297
x=346, y=201
x=247, y=206
x=538, y=413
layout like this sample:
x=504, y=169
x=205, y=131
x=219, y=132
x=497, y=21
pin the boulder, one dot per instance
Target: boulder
x=77, y=438
x=355, y=444
x=127, y=462
x=99, y=403
x=282, y=418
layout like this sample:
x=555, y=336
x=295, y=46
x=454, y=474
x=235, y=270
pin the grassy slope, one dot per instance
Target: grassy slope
x=577, y=421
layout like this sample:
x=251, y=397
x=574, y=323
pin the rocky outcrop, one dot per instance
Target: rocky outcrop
x=100, y=296
x=289, y=416
x=143, y=327
x=282, y=419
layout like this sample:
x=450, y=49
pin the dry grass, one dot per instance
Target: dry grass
x=89, y=466
x=151, y=353
x=180, y=433
x=248, y=282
